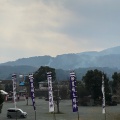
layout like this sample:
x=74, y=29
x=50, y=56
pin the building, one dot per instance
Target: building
x=4, y=83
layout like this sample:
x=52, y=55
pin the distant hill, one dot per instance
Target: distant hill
x=108, y=59
x=113, y=50
x=36, y=61
x=7, y=71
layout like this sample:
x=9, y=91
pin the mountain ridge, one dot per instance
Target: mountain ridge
x=107, y=60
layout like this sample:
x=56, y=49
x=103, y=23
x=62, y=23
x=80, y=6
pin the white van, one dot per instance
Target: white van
x=16, y=113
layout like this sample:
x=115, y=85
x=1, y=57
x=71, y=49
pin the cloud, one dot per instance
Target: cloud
x=52, y=27
x=34, y=29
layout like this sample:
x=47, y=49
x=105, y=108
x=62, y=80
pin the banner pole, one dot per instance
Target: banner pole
x=35, y=114
x=78, y=115
x=54, y=115
x=105, y=115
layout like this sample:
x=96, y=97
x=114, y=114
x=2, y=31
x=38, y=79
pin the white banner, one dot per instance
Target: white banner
x=14, y=88
x=50, y=92
x=103, y=92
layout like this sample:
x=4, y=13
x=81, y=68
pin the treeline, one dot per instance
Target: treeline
x=90, y=84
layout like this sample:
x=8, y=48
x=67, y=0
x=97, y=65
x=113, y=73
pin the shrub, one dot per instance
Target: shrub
x=1, y=101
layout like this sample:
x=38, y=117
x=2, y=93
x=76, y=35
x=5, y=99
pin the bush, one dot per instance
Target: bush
x=1, y=101
x=1, y=107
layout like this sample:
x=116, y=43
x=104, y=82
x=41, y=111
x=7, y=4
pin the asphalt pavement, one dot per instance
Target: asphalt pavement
x=42, y=111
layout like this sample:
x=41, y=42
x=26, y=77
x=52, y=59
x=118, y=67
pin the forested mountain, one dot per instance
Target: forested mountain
x=108, y=60
x=7, y=71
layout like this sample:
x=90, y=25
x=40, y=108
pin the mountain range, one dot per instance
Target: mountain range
x=108, y=58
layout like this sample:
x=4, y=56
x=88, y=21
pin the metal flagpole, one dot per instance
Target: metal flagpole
x=54, y=115
x=35, y=114
x=78, y=115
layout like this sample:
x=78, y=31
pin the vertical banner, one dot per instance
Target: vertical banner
x=103, y=92
x=32, y=90
x=50, y=92
x=14, y=79
x=73, y=92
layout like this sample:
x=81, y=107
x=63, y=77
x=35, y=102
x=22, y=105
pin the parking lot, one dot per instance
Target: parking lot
x=42, y=112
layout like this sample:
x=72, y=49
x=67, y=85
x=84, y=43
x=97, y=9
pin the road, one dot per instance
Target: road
x=85, y=113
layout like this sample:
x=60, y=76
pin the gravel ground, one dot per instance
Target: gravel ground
x=85, y=113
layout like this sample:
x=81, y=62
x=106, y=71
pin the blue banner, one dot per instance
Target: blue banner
x=32, y=90
x=73, y=92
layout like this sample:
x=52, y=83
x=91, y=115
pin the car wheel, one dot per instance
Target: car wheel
x=22, y=116
x=9, y=116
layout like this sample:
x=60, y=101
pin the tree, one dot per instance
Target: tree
x=81, y=90
x=41, y=74
x=61, y=91
x=1, y=101
x=8, y=87
x=64, y=92
x=56, y=95
x=116, y=83
x=93, y=83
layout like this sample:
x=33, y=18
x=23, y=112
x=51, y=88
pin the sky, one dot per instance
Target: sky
x=53, y=27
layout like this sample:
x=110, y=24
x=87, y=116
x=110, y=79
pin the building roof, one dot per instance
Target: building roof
x=3, y=92
x=22, y=84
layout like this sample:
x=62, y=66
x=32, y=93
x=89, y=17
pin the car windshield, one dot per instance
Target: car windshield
x=20, y=110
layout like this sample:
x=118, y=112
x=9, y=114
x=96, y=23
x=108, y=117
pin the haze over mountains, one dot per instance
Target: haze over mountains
x=108, y=58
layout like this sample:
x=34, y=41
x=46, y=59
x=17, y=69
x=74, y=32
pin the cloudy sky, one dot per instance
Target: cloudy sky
x=53, y=27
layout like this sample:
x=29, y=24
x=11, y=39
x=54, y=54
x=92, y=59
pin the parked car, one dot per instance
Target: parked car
x=16, y=113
